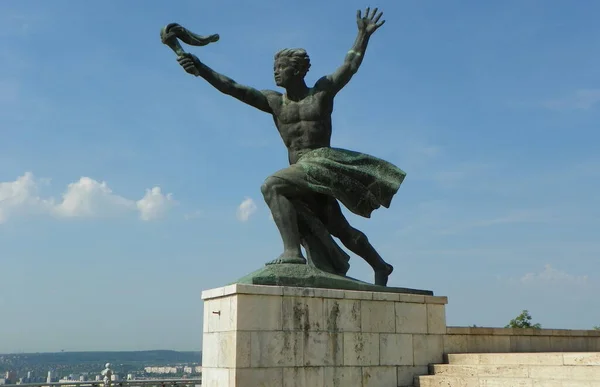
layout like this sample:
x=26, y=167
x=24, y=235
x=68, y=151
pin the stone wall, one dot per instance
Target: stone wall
x=504, y=340
x=306, y=337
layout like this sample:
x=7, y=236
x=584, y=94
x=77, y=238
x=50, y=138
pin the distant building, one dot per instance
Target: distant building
x=51, y=376
x=11, y=377
x=163, y=370
x=129, y=376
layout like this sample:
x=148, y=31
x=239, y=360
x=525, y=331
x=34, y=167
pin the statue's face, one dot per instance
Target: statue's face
x=284, y=72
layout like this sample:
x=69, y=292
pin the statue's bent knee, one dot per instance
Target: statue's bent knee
x=269, y=187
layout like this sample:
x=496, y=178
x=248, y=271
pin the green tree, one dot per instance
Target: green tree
x=597, y=327
x=523, y=321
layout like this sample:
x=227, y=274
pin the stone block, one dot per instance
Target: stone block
x=361, y=349
x=220, y=314
x=436, y=319
x=582, y=359
x=257, y=377
x=342, y=376
x=277, y=349
x=302, y=314
x=560, y=343
x=215, y=377
x=342, y=315
x=412, y=298
x=213, y=293
x=395, y=349
x=456, y=344
x=407, y=374
x=428, y=349
x=226, y=349
x=379, y=377
x=446, y=381
x=323, y=349
x=304, y=377
x=210, y=349
x=411, y=318
x=259, y=290
x=330, y=293
x=436, y=300
x=483, y=344
x=378, y=316
x=521, y=358
x=463, y=359
x=540, y=343
x=299, y=292
x=394, y=297
x=458, y=330
x=259, y=313
x=521, y=344
x=356, y=295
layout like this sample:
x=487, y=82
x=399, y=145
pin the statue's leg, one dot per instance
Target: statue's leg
x=357, y=242
x=278, y=191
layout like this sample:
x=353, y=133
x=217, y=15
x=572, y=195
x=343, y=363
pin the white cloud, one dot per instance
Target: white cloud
x=154, y=204
x=20, y=196
x=90, y=198
x=84, y=198
x=580, y=100
x=246, y=209
x=551, y=275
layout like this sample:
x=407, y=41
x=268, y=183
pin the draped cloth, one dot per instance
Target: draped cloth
x=362, y=183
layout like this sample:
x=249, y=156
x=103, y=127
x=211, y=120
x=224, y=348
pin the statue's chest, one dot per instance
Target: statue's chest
x=308, y=109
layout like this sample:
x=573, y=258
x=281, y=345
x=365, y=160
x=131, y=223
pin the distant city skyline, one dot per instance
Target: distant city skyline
x=118, y=205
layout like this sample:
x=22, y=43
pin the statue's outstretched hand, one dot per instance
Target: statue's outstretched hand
x=189, y=63
x=370, y=22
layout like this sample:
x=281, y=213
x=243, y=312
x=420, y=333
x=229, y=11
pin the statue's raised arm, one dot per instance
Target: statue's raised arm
x=367, y=25
x=192, y=65
x=249, y=95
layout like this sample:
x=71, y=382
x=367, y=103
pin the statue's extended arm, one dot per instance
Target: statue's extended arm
x=226, y=85
x=366, y=26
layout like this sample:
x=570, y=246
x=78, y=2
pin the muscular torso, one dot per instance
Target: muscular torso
x=305, y=124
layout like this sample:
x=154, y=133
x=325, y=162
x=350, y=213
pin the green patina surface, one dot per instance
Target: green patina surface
x=362, y=182
x=307, y=276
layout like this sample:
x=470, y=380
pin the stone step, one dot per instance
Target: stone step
x=541, y=358
x=456, y=381
x=518, y=371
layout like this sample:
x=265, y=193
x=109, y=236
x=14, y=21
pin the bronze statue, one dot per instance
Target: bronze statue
x=303, y=198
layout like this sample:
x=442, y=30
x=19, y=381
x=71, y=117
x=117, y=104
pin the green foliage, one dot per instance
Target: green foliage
x=597, y=327
x=523, y=321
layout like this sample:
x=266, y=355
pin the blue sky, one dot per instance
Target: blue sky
x=122, y=176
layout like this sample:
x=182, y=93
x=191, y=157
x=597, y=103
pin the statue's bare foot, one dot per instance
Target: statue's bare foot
x=286, y=257
x=381, y=275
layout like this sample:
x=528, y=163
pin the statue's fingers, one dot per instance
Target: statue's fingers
x=380, y=24
x=367, y=12
x=358, y=15
x=374, y=13
x=378, y=17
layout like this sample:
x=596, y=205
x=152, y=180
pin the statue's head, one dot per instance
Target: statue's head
x=290, y=64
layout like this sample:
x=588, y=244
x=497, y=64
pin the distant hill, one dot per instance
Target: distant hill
x=158, y=357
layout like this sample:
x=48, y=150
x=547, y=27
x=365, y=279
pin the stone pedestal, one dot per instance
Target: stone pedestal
x=272, y=336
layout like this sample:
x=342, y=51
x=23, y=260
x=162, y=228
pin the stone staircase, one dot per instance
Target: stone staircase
x=549, y=369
